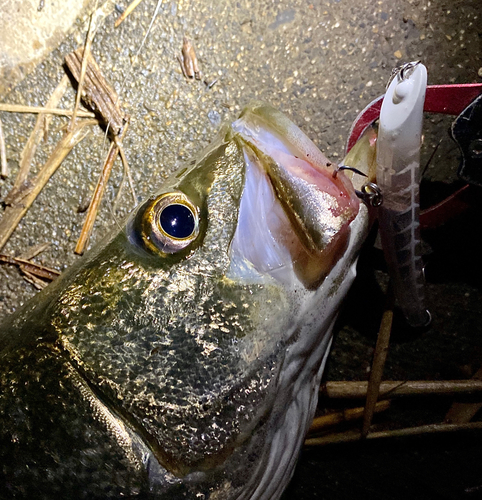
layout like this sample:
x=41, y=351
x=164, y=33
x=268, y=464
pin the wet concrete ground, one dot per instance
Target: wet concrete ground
x=320, y=63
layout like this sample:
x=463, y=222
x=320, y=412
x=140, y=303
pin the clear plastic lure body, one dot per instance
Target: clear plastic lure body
x=398, y=177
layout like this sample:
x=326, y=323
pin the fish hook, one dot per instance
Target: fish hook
x=370, y=194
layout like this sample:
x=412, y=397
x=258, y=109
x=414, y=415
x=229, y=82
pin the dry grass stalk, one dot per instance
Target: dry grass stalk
x=84, y=63
x=3, y=155
x=86, y=232
x=19, y=108
x=127, y=172
x=33, y=251
x=351, y=436
x=340, y=417
x=30, y=267
x=127, y=12
x=462, y=413
x=391, y=389
x=41, y=124
x=102, y=98
x=13, y=214
x=379, y=359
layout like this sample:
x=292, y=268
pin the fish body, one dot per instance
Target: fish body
x=181, y=357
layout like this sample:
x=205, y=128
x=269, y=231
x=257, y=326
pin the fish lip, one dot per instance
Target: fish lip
x=319, y=205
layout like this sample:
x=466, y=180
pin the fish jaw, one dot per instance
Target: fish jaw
x=318, y=206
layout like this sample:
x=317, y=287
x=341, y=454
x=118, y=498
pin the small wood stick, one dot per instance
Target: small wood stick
x=379, y=359
x=33, y=251
x=18, y=108
x=3, y=155
x=38, y=283
x=97, y=93
x=31, y=267
x=128, y=10
x=127, y=169
x=351, y=436
x=86, y=232
x=462, y=413
x=339, y=417
x=13, y=215
x=400, y=388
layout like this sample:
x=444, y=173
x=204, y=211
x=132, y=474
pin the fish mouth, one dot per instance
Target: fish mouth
x=295, y=214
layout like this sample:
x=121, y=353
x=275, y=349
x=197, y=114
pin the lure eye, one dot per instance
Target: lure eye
x=170, y=223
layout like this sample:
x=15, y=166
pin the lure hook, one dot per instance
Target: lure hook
x=403, y=72
x=370, y=194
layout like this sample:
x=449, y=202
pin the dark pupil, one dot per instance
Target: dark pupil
x=177, y=221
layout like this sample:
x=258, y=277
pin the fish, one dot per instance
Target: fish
x=181, y=356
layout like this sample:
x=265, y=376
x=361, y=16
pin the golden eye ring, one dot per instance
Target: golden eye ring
x=170, y=223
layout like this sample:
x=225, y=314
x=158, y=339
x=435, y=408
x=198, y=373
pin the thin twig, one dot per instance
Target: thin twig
x=134, y=61
x=85, y=60
x=462, y=413
x=32, y=267
x=127, y=170
x=13, y=214
x=84, y=237
x=30, y=148
x=33, y=251
x=351, y=436
x=38, y=283
x=3, y=155
x=339, y=417
x=379, y=359
x=18, y=108
x=128, y=11
x=390, y=389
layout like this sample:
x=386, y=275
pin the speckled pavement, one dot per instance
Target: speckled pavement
x=321, y=63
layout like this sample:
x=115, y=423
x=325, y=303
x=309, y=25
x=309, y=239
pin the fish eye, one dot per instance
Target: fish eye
x=177, y=221
x=170, y=223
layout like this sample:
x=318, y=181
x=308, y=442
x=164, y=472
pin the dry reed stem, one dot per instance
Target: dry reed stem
x=43, y=120
x=379, y=359
x=127, y=12
x=391, y=389
x=86, y=232
x=351, y=436
x=340, y=417
x=19, y=108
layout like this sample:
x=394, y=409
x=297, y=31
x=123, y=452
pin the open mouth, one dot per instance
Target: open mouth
x=294, y=213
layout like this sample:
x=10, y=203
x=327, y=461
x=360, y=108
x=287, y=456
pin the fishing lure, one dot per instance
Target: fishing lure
x=398, y=177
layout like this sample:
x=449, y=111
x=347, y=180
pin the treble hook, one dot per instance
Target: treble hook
x=370, y=194
x=403, y=72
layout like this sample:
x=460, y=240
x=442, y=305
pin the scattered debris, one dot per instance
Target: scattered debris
x=210, y=84
x=13, y=214
x=36, y=274
x=188, y=61
x=102, y=98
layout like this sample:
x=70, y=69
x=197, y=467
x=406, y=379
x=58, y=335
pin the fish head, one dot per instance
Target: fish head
x=202, y=327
